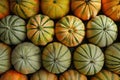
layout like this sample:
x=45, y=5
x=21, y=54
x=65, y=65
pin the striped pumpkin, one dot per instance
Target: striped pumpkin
x=40, y=29
x=56, y=57
x=72, y=75
x=26, y=58
x=43, y=75
x=12, y=30
x=24, y=8
x=70, y=31
x=101, y=31
x=55, y=8
x=105, y=75
x=13, y=75
x=5, y=52
x=88, y=59
x=112, y=57
x=4, y=8
x=85, y=9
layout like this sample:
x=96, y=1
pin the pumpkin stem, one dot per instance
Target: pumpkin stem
x=92, y=61
x=54, y=1
x=18, y=1
x=87, y=1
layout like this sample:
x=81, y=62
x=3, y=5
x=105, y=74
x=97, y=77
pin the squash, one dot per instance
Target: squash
x=85, y=9
x=88, y=59
x=24, y=8
x=72, y=75
x=70, y=31
x=4, y=8
x=13, y=75
x=101, y=31
x=111, y=8
x=105, y=75
x=5, y=52
x=112, y=58
x=55, y=9
x=12, y=30
x=56, y=58
x=43, y=75
x=40, y=29
x=26, y=58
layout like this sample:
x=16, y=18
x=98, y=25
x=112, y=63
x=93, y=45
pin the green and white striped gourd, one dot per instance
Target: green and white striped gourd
x=88, y=59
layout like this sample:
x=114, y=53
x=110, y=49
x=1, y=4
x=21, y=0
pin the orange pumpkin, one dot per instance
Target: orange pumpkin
x=85, y=9
x=13, y=75
x=111, y=8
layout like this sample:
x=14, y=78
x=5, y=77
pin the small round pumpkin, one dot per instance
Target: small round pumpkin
x=40, y=29
x=24, y=8
x=55, y=8
x=4, y=8
x=105, y=75
x=12, y=30
x=85, y=9
x=112, y=58
x=70, y=31
x=101, y=31
x=72, y=75
x=5, y=63
x=13, y=75
x=88, y=59
x=43, y=75
x=56, y=57
x=26, y=58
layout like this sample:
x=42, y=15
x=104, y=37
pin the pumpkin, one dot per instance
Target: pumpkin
x=55, y=9
x=40, y=29
x=4, y=8
x=72, y=75
x=70, y=31
x=12, y=30
x=43, y=75
x=101, y=31
x=85, y=9
x=88, y=59
x=5, y=52
x=105, y=75
x=112, y=58
x=26, y=58
x=13, y=75
x=56, y=58
x=24, y=8
x=111, y=9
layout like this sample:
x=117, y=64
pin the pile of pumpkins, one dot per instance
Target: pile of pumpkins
x=59, y=40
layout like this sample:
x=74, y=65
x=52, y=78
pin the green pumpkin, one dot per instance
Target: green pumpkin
x=5, y=52
x=12, y=30
x=56, y=58
x=26, y=58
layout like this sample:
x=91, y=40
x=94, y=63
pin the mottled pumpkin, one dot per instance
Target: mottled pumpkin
x=26, y=58
x=40, y=29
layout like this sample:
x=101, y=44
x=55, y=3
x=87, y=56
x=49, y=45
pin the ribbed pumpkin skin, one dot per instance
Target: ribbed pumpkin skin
x=26, y=58
x=105, y=75
x=5, y=52
x=88, y=59
x=56, y=57
x=40, y=29
x=4, y=8
x=70, y=31
x=43, y=75
x=111, y=8
x=13, y=75
x=12, y=30
x=24, y=8
x=101, y=31
x=72, y=75
x=85, y=9
x=112, y=57
x=55, y=8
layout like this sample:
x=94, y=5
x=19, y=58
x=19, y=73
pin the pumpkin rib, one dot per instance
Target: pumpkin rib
x=22, y=10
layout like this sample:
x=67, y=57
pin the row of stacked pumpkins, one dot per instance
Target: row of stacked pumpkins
x=36, y=38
